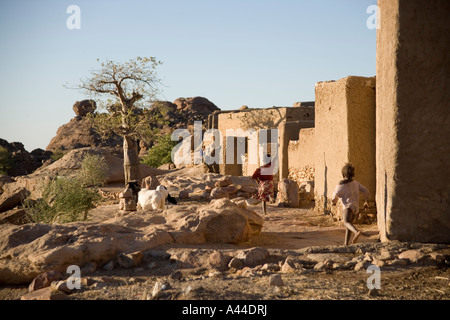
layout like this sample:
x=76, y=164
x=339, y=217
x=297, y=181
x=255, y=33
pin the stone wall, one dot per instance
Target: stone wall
x=413, y=121
x=344, y=131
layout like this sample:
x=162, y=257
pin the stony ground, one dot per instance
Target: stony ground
x=286, y=233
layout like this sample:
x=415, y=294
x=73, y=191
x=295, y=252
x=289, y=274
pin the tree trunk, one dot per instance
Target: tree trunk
x=130, y=159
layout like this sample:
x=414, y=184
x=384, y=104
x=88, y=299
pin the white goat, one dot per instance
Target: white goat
x=153, y=199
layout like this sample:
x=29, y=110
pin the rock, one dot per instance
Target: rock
x=222, y=221
x=385, y=255
x=44, y=280
x=373, y=293
x=230, y=189
x=176, y=275
x=219, y=261
x=196, y=108
x=246, y=272
x=323, y=265
x=47, y=293
x=61, y=286
x=362, y=265
x=35, y=248
x=158, y=289
x=224, y=181
x=183, y=194
x=288, y=193
x=270, y=267
x=334, y=257
x=236, y=263
x=89, y=267
x=79, y=133
x=219, y=193
x=245, y=195
x=12, y=198
x=4, y=179
x=436, y=256
x=130, y=260
x=412, y=255
x=84, y=107
x=276, y=280
x=24, y=161
x=253, y=256
x=109, y=266
x=14, y=216
x=378, y=263
x=288, y=266
x=397, y=262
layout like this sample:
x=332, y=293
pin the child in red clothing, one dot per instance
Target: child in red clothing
x=265, y=184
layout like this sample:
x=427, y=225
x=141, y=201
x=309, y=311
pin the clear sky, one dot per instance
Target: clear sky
x=259, y=53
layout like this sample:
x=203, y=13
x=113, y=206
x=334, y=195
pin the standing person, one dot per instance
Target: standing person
x=348, y=192
x=265, y=184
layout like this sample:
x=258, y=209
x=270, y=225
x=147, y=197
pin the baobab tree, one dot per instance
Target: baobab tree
x=125, y=91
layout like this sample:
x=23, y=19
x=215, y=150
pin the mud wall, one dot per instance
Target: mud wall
x=413, y=121
x=344, y=131
x=301, y=152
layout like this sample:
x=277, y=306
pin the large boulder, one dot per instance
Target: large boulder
x=34, y=248
x=223, y=221
x=78, y=133
x=84, y=107
x=197, y=108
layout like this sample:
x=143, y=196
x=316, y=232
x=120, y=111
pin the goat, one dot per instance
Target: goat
x=154, y=199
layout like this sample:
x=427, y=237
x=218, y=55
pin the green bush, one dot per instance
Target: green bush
x=57, y=154
x=93, y=170
x=68, y=199
x=160, y=153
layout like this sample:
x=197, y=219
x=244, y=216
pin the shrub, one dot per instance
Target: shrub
x=57, y=154
x=160, y=153
x=68, y=199
x=93, y=170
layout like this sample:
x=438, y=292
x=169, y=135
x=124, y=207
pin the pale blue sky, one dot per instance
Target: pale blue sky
x=259, y=53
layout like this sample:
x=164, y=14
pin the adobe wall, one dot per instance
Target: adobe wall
x=289, y=131
x=344, y=131
x=257, y=119
x=301, y=152
x=413, y=121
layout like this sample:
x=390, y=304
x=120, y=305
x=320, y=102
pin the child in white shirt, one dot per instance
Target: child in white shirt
x=348, y=191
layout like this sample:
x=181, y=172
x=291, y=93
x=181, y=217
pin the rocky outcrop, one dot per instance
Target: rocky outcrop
x=23, y=162
x=13, y=193
x=197, y=108
x=195, y=185
x=78, y=133
x=84, y=107
x=111, y=235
